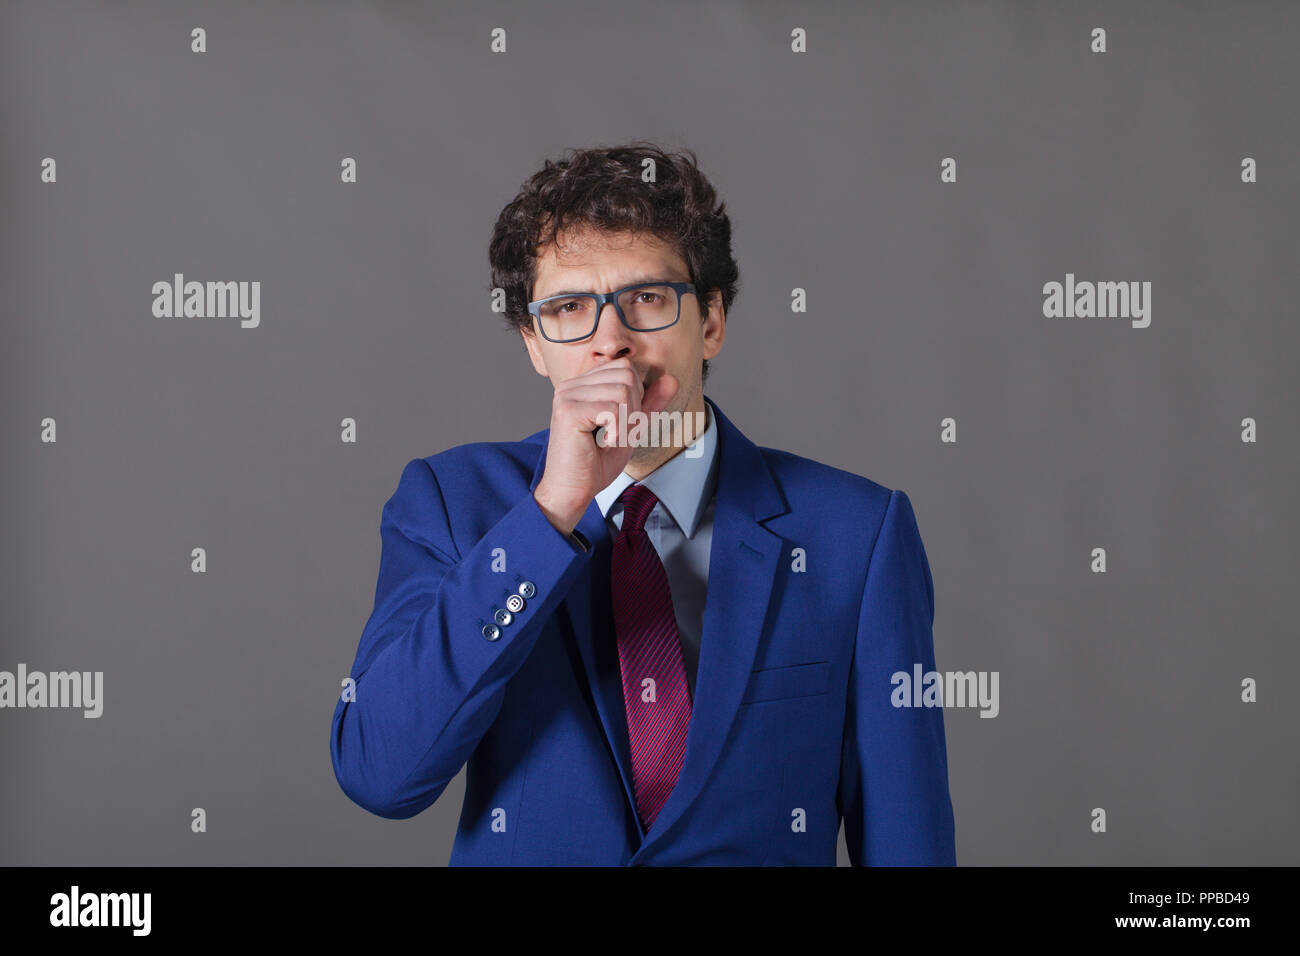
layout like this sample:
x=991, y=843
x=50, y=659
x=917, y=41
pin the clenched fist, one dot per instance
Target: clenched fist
x=576, y=465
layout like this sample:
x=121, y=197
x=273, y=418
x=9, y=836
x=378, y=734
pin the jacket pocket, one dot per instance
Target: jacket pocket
x=797, y=680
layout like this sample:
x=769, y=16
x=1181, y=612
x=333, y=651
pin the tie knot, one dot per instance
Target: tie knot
x=637, y=501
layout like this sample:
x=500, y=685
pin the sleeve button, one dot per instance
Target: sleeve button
x=502, y=616
x=491, y=632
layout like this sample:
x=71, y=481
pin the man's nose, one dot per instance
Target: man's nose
x=612, y=336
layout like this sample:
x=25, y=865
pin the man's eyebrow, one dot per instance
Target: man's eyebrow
x=637, y=281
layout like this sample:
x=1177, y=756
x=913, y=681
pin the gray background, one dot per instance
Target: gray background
x=1118, y=690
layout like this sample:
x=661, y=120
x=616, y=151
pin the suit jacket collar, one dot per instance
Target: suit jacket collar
x=743, y=562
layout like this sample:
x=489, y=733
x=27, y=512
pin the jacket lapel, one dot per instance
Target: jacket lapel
x=743, y=561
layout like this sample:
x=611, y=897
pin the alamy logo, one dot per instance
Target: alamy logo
x=102, y=909
x=946, y=689
x=55, y=689
x=208, y=300
x=1103, y=300
x=652, y=430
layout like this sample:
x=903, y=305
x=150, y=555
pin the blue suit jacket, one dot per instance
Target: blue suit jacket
x=819, y=590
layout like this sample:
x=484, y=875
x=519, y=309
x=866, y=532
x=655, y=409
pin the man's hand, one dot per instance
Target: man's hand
x=576, y=466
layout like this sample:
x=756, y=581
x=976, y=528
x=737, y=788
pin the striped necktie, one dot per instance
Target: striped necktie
x=655, y=693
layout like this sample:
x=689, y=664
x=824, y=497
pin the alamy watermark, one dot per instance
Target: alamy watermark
x=55, y=689
x=1101, y=300
x=946, y=689
x=653, y=430
x=208, y=300
x=75, y=908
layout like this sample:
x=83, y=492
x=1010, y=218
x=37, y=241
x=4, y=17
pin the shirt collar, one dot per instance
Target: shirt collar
x=683, y=485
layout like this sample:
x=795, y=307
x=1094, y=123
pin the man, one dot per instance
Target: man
x=647, y=655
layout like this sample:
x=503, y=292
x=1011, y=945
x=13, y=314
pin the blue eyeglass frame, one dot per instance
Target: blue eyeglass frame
x=681, y=288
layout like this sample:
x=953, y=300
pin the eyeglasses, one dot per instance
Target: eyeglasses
x=647, y=307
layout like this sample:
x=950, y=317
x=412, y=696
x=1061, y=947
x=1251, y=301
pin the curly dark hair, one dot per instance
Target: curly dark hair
x=601, y=187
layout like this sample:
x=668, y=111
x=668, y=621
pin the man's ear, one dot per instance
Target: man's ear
x=534, y=351
x=713, y=325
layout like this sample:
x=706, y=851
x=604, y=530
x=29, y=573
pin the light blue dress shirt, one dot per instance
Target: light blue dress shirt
x=681, y=530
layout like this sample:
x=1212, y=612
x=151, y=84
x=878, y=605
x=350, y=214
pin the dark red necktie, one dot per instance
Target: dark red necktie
x=655, y=694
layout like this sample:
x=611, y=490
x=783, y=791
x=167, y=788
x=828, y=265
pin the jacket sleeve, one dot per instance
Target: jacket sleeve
x=428, y=683
x=893, y=788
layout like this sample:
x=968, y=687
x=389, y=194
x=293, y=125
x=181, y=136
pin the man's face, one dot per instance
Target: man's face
x=592, y=261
